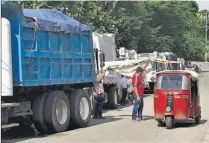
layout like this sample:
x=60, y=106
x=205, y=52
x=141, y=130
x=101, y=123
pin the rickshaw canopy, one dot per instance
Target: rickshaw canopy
x=193, y=74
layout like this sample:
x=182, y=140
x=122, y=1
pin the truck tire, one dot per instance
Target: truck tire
x=80, y=108
x=57, y=112
x=38, y=113
x=119, y=92
x=112, y=98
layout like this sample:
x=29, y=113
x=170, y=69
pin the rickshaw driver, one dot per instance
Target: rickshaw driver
x=138, y=85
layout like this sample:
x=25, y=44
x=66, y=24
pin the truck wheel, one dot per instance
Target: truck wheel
x=119, y=93
x=169, y=122
x=80, y=108
x=112, y=98
x=38, y=113
x=57, y=112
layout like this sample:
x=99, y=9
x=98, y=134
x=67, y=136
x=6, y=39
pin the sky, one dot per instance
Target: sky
x=203, y=4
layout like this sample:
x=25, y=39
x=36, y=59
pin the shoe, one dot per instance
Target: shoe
x=141, y=119
x=101, y=118
x=134, y=119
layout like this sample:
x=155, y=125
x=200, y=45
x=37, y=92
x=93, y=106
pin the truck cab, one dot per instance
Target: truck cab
x=105, y=51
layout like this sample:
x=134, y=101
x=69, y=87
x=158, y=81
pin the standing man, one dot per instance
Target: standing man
x=98, y=94
x=124, y=84
x=138, y=85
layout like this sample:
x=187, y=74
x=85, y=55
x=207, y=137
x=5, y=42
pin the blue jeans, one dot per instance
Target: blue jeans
x=138, y=107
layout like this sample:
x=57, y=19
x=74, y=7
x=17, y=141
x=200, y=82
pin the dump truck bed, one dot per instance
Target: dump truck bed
x=48, y=47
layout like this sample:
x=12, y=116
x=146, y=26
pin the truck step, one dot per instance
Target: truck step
x=7, y=105
x=9, y=125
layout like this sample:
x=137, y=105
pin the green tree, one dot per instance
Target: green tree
x=146, y=26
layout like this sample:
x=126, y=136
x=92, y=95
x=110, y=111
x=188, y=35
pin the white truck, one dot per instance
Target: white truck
x=106, y=50
x=150, y=77
x=127, y=54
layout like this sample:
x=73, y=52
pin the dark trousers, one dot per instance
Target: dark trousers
x=140, y=110
x=131, y=97
x=98, y=105
x=98, y=109
x=124, y=94
x=138, y=107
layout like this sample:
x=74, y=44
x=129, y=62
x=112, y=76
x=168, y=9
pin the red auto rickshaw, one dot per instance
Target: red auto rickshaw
x=176, y=97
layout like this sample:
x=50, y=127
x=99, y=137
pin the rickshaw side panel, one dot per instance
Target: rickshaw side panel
x=195, y=111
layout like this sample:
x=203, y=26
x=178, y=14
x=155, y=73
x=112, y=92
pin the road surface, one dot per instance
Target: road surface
x=118, y=127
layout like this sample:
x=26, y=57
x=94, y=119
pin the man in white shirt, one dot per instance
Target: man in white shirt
x=124, y=84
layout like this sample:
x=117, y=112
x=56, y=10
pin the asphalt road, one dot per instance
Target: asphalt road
x=118, y=126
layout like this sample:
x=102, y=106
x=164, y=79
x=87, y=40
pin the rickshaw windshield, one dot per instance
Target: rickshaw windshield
x=172, y=82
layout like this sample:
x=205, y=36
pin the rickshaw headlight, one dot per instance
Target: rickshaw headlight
x=168, y=109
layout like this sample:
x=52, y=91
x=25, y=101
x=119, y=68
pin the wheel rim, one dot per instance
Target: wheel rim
x=61, y=111
x=84, y=108
x=115, y=98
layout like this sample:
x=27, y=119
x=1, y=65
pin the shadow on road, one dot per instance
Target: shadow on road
x=186, y=124
x=189, y=124
x=121, y=107
x=18, y=134
x=145, y=117
x=108, y=119
x=204, y=71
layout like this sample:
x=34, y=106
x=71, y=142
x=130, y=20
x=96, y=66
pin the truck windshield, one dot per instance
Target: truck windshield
x=172, y=82
x=158, y=66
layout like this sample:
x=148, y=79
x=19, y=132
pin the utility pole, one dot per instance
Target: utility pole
x=206, y=35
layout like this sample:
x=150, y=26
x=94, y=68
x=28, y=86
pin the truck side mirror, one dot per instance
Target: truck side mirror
x=102, y=59
x=117, y=53
x=102, y=65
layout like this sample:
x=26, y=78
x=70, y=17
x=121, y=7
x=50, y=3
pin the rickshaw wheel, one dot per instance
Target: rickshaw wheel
x=197, y=119
x=169, y=122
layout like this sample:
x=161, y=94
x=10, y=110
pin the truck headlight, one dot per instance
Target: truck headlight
x=168, y=109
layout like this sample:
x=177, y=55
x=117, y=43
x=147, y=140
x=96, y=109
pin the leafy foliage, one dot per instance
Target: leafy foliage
x=146, y=26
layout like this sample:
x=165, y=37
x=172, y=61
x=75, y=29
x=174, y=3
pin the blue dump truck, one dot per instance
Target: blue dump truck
x=48, y=69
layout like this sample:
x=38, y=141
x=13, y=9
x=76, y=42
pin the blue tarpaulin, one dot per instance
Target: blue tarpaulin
x=54, y=20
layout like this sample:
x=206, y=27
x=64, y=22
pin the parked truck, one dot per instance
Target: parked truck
x=150, y=77
x=48, y=69
x=127, y=54
x=105, y=51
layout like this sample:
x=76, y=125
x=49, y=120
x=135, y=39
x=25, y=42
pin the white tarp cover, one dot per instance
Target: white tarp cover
x=128, y=67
